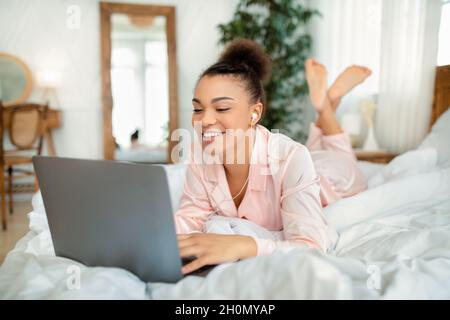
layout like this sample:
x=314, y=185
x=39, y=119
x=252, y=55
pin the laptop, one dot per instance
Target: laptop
x=112, y=214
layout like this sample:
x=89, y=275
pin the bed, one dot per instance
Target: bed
x=394, y=243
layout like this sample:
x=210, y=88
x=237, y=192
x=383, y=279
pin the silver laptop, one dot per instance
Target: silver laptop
x=111, y=214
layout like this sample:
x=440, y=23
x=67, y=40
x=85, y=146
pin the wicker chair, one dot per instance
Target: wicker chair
x=26, y=133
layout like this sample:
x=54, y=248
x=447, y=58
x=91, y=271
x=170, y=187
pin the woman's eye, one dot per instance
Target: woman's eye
x=223, y=109
x=197, y=110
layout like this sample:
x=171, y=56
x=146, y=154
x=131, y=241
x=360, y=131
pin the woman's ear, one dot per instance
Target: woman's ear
x=256, y=112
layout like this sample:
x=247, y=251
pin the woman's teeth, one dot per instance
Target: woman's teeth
x=211, y=134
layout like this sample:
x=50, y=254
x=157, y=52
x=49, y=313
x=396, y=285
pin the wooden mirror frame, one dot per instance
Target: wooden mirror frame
x=28, y=80
x=106, y=10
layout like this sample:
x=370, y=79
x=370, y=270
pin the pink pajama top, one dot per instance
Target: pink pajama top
x=285, y=192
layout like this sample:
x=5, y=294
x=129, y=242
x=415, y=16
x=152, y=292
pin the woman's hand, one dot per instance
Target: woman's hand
x=211, y=248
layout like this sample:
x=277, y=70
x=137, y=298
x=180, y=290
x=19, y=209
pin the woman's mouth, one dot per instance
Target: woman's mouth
x=209, y=136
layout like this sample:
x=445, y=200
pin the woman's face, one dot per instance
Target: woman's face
x=220, y=104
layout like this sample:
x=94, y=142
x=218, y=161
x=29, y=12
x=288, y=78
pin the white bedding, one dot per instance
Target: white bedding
x=394, y=243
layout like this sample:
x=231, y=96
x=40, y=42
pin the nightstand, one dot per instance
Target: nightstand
x=374, y=156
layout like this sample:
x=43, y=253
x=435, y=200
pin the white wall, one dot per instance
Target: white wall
x=36, y=31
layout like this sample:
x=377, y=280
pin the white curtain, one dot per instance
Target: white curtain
x=409, y=34
x=398, y=40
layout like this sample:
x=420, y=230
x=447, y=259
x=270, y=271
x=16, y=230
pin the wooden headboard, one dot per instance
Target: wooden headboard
x=441, y=99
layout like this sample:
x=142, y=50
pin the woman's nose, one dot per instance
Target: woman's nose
x=208, y=118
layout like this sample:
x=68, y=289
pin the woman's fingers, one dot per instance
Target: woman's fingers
x=194, y=265
x=183, y=236
x=185, y=243
x=190, y=251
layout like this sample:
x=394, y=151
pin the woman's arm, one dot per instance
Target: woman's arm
x=194, y=211
x=304, y=223
x=303, y=220
x=212, y=249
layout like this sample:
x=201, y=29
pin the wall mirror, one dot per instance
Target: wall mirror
x=15, y=80
x=139, y=81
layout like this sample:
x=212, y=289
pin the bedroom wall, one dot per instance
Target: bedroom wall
x=36, y=32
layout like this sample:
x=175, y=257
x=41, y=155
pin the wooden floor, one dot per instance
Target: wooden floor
x=17, y=228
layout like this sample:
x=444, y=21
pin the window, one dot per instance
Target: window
x=444, y=36
x=156, y=93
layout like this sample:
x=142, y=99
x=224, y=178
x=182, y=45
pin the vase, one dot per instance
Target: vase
x=368, y=108
x=371, y=143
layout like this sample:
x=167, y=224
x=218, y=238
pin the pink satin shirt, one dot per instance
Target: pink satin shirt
x=283, y=194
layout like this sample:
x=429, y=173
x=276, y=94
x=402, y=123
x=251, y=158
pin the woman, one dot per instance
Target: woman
x=279, y=185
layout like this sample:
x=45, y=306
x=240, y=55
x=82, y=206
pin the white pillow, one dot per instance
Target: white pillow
x=395, y=197
x=439, y=138
x=407, y=164
x=369, y=169
x=176, y=174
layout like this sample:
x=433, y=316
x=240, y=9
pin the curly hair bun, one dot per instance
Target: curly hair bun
x=249, y=53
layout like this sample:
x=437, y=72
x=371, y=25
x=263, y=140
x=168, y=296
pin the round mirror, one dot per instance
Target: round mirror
x=15, y=80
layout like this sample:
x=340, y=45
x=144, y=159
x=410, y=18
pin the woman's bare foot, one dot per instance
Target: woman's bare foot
x=346, y=81
x=316, y=76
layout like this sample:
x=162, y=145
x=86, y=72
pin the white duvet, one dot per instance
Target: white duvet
x=394, y=242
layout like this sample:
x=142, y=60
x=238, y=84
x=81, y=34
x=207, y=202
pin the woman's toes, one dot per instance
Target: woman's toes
x=309, y=62
x=316, y=76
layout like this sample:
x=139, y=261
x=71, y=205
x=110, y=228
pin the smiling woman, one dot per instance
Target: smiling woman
x=230, y=96
x=263, y=177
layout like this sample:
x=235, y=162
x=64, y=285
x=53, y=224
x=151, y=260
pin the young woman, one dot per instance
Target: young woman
x=280, y=185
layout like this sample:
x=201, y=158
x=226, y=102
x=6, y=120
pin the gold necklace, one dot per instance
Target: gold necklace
x=245, y=183
x=246, y=180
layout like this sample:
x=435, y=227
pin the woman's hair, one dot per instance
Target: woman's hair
x=135, y=135
x=247, y=61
